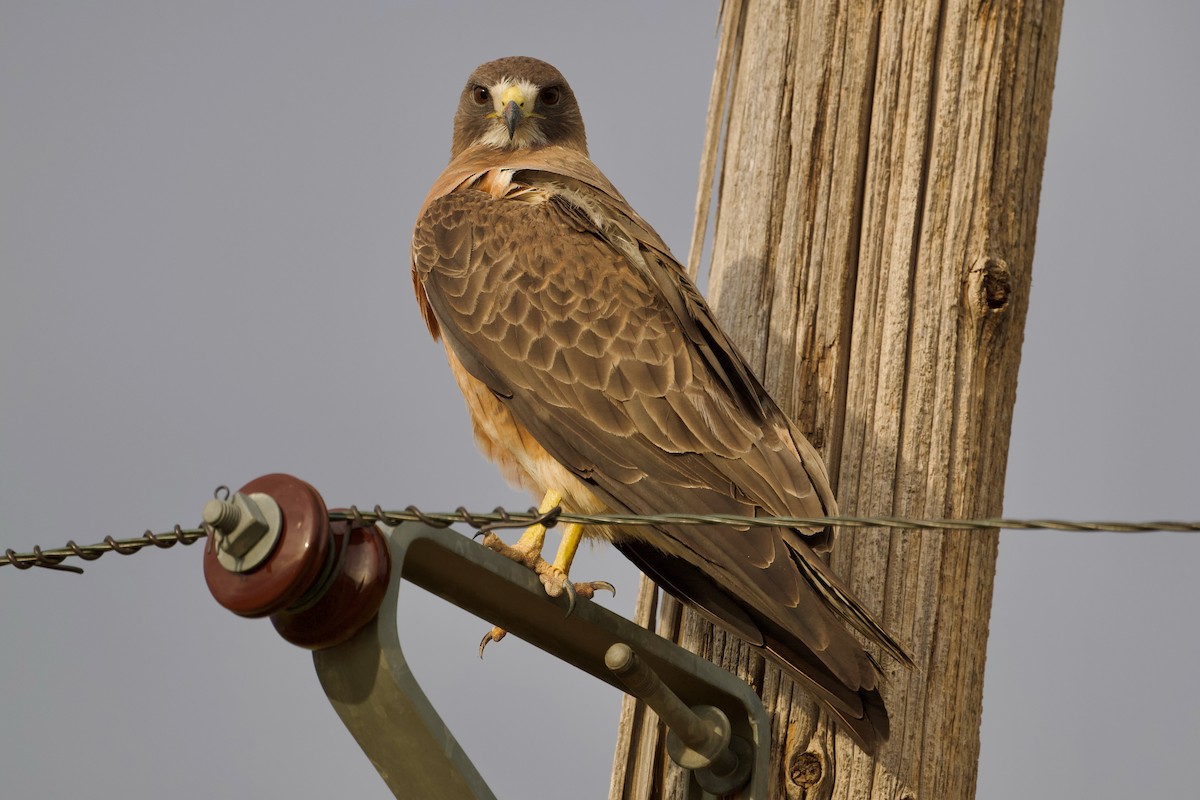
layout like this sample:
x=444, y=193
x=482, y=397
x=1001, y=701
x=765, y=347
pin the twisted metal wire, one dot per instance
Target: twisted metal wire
x=52, y=559
x=502, y=518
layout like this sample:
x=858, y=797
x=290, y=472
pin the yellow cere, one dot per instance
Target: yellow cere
x=512, y=94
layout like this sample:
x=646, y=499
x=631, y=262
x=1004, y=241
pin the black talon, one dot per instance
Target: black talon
x=570, y=590
x=491, y=636
x=604, y=585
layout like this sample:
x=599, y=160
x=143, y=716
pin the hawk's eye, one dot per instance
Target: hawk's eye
x=550, y=95
x=481, y=95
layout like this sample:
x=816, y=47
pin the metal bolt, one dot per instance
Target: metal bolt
x=699, y=738
x=221, y=514
x=246, y=527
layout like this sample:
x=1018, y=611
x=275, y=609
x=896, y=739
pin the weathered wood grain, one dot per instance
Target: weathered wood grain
x=878, y=197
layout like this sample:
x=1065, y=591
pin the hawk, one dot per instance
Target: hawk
x=597, y=377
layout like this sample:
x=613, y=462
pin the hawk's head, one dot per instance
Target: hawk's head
x=517, y=102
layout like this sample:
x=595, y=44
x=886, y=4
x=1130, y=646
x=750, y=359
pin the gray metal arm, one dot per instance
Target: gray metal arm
x=370, y=685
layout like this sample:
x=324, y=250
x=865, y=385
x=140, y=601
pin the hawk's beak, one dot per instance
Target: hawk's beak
x=513, y=100
x=512, y=117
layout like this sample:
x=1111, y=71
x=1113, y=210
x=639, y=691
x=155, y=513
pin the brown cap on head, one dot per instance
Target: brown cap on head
x=517, y=102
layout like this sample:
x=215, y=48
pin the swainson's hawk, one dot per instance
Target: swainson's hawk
x=596, y=376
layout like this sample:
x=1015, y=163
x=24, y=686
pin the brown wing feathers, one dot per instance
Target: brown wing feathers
x=655, y=410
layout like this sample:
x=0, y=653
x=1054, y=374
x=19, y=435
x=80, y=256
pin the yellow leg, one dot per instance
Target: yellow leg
x=534, y=537
x=572, y=536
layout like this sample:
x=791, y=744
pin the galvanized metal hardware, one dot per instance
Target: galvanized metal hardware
x=699, y=738
x=246, y=529
x=333, y=586
x=372, y=688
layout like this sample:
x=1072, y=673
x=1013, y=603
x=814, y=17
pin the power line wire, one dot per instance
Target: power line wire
x=501, y=518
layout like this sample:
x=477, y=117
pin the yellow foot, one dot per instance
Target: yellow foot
x=528, y=552
x=553, y=578
x=555, y=582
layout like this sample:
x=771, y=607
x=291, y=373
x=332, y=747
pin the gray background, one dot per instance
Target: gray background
x=204, y=222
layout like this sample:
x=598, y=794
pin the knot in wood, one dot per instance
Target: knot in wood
x=805, y=770
x=990, y=284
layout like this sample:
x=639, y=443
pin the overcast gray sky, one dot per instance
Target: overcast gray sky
x=205, y=213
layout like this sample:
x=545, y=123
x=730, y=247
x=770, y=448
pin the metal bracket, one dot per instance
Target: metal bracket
x=369, y=684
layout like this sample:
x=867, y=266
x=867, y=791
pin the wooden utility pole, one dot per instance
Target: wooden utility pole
x=878, y=200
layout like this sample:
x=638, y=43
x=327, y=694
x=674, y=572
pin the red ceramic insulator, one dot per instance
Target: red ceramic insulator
x=350, y=598
x=297, y=560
